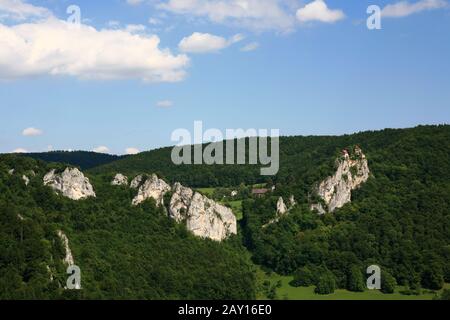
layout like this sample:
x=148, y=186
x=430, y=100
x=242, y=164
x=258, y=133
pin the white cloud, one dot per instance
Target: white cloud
x=250, y=47
x=113, y=23
x=131, y=151
x=319, y=11
x=55, y=47
x=19, y=150
x=20, y=10
x=405, y=8
x=206, y=42
x=135, y=28
x=134, y=2
x=101, y=149
x=31, y=132
x=259, y=15
x=154, y=21
x=164, y=104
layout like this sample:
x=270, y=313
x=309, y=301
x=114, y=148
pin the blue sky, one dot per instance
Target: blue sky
x=318, y=72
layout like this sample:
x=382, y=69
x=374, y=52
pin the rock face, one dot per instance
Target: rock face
x=137, y=181
x=26, y=180
x=282, y=210
x=292, y=201
x=68, y=259
x=203, y=217
x=351, y=173
x=154, y=188
x=281, y=207
x=120, y=180
x=71, y=183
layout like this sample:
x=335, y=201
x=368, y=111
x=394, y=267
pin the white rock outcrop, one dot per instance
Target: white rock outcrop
x=282, y=210
x=292, y=201
x=137, y=181
x=204, y=217
x=120, y=180
x=281, y=207
x=68, y=259
x=26, y=180
x=71, y=183
x=153, y=187
x=336, y=191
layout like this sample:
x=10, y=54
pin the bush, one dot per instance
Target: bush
x=326, y=284
x=388, y=283
x=303, y=277
x=355, y=281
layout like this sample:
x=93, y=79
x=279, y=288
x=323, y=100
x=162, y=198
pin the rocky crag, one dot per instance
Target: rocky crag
x=336, y=191
x=71, y=183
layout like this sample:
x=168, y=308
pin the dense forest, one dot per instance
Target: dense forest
x=124, y=252
x=399, y=219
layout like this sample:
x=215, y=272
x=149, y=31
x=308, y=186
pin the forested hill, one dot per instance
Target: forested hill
x=304, y=159
x=83, y=159
x=124, y=251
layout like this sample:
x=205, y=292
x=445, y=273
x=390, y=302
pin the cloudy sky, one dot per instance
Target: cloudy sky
x=134, y=71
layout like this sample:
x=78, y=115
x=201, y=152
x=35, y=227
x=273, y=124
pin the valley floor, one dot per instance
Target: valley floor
x=287, y=292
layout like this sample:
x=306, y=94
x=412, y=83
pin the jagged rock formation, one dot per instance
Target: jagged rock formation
x=203, y=217
x=137, y=181
x=282, y=210
x=71, y=183
x=292, y=201
x=120, y=180
x=352, y=171
x=26, y=180
x=281, y=207
x=154, y=188
x=68, y=259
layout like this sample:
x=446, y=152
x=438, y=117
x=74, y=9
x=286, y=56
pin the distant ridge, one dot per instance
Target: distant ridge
x=83, y=159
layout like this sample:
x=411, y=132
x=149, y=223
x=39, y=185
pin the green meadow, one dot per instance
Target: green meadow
x=287, y=292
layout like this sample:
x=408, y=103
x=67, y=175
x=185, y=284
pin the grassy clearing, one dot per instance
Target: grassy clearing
x=206, y=191
x=236, y=206
x=287, y=292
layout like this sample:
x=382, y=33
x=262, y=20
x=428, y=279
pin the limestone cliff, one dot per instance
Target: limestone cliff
x=71, y=183
x=352, y=171
x=68, y=259
x=281, y=207
x=203, y=217
x=153, y=187
x=120, y=180
x=137, y=181
x=282, y=210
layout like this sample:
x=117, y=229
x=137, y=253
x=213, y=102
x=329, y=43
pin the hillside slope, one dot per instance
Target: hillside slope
x=124, y=252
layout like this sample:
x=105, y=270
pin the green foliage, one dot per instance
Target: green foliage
x=399, y=219
x=124, y=252
x=355, y=281
x=388, y=282
x=326, y=283
x=303, y=277
x=445, y=295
